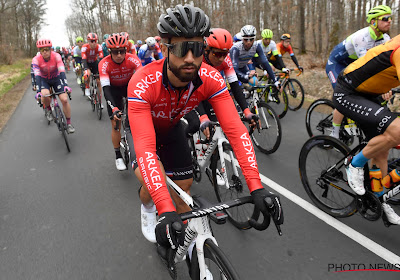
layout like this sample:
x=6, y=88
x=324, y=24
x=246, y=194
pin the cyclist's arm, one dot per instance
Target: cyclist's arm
x=238, y=138
x=84, y=58
x=278, y=57
x=100, y=51
x=293, y=57
x=264, y=62
x=158, y=51
x=61, y=69
x=234, y=54
x=237, y=92
x=396, y=61
x=105, y=84
x=141, y=54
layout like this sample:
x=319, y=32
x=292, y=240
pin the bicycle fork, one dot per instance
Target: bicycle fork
x=233, y=161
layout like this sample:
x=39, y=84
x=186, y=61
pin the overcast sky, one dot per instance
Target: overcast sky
x=57, y=12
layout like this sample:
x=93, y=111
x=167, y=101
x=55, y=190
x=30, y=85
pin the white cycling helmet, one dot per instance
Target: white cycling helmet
x=248, y=31
x=151, y=41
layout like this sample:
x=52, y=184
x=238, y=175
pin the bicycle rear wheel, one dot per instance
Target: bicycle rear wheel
x=319, y=117
x=217, y=263
x=278, y=100
x=268, y=138
x=322, y=172
x=62, y=126
x=295, y=93
x=234, y=188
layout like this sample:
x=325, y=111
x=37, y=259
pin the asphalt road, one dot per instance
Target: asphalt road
x=74, y=216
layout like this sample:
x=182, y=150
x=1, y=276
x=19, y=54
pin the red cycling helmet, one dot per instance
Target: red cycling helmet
x=125, y=34
x=220, y=39
x=116, y=41
x=92, y=36
x=42, y=43
x=158, y=38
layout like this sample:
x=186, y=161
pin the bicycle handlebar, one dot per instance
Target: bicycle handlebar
x=267, y=218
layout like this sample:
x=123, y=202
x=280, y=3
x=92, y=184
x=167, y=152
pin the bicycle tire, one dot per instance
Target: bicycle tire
x=99, y=110
x=295, y=95
x=92, y=94
x=280, y=102
x=217, y=263
x=318, y=155
x=319, y=117
x=63, y=126
x=238, y=216
x=268, y=138
x=125, y=151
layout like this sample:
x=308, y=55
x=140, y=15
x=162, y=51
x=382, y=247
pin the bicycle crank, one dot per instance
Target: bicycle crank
x=369, y=206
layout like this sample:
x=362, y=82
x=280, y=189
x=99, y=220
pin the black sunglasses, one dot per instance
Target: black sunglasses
x=248, y=39
x=93, y=41
x=219, y=54
x=182, y=48
x=386, y=18
x=117, y=52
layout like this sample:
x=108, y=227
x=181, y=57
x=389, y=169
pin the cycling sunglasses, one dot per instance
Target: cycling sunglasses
x=79, y=41
x=44, y=50
x=182, y=48
x=92, y=41
x=219, y=54
x=117, y=52
x=386, y=18
x=248, y=39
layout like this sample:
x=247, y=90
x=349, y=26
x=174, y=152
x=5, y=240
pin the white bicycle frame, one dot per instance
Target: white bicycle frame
x=197, y=227
x=217, y=142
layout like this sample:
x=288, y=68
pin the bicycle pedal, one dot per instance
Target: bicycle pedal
x=219, y=217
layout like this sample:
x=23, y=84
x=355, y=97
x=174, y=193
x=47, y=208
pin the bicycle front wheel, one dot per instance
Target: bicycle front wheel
x=268, y=138
x=99, y=110
x=295, y=93
x=229, y=184
x=218, y=265
x=62, y=126
x=319, y=117
x=278, y=100
x=322, y=172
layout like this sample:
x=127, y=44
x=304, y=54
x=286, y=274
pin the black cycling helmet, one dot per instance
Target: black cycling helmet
x=184, y=21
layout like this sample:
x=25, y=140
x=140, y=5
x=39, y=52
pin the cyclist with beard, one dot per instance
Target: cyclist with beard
x=159, y=95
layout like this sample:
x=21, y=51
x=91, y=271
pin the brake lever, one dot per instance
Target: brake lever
x=271, y=209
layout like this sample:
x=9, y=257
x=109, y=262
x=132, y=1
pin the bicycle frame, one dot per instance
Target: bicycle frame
x=217, y=142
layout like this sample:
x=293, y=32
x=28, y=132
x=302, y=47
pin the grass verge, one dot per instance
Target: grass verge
x=10, y=75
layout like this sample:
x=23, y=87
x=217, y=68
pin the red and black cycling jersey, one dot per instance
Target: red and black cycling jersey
x=115, y=74
x=154, y=107
x=90, y=55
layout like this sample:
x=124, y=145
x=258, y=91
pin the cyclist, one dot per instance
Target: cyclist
x=355, y=46
x=269, y=46
x=149, y=51
x=217, y=55
x=49, y=72
x=354, y=96
x=159, y=95
x=139, y=43
x=91, y=53
x=104, y=45
x=243, y=52
x=77, y=54
x=283, y=47
x=131, y=46
x=115, y=73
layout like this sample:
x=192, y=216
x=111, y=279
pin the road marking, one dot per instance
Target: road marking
x=346, y=230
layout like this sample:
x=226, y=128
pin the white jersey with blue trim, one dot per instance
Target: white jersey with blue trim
x=245, y=55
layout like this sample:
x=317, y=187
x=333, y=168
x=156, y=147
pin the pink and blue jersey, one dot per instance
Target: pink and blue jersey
x=48, y=69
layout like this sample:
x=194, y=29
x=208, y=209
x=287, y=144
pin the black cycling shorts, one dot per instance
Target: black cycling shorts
x=118, y=94
x=365, y=110
x=94, y=67
x=174, y=153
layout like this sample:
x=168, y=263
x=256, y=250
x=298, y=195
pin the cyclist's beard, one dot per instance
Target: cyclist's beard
x=184, y=77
